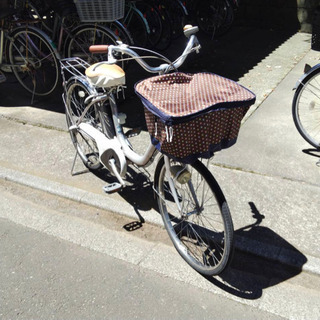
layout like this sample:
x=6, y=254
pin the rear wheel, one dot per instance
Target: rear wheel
x=85, y=36
x=34, y=60
x=201, y=229
x=122, y=32
x=137, y=26
x=214, y=17
x=76, y=93
x=152, y=15
x=166, y=35
x=178, y=16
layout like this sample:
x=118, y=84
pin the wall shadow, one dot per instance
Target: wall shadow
x=12, y=94
x=275, y=14
x=255, y=34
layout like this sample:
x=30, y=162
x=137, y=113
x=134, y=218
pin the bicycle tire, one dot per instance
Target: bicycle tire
x=152, y=15
x=194, y=232
x=306, y=108
x=178, y=14
x=121, y=31
x=214, y=17
x=137, y=25
x=34, y=60
x=77, y=90
x=166, y=34
x=83, y=37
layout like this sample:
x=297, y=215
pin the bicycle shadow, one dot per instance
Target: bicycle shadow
x=313, y=152
x=138, y=192
x=249, y=274
x=252, y=269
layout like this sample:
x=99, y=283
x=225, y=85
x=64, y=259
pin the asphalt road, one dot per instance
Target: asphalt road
x=44, y=277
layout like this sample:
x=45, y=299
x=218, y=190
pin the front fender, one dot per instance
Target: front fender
x=306, y=74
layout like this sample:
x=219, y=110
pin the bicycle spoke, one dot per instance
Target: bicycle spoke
x=34, y=62
x=198, y=229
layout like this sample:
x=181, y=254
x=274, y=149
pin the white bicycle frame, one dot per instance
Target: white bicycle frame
x=119, y=143
x=193, y=45
x=123, y=152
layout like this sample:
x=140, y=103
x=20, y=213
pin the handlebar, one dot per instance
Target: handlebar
x=192, y=45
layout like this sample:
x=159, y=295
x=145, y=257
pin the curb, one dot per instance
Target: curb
x=276, y=254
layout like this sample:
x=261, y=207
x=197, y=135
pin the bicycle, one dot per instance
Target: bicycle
x=43, y=12
x=28, y=53
x=214, y=17
x=71, y=36
x=192, y=205
x=136, y=23
x=306, y=105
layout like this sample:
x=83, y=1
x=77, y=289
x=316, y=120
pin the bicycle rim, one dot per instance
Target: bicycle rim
x=35, y=63
x=153, y=17
x=214, y=17
x=177, y=15
x=122, y=32
x=76, y=94
x=137, y=26
x=306, y=109
x=85, y=36
x=201, y=230
x=166, y=35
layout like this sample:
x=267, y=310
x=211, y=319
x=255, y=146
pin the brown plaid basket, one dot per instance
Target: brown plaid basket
x=193, y=115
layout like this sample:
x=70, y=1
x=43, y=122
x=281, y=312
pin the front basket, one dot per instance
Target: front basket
x=193, y=115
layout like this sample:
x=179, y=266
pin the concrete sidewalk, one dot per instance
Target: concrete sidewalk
x=271, y=185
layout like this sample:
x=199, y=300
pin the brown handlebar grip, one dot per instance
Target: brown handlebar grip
x=102, y=48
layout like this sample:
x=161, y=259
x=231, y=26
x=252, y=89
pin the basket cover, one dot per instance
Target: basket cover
x=193, y=115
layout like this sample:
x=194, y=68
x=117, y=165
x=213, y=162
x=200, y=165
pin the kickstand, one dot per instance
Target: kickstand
x=73, y=173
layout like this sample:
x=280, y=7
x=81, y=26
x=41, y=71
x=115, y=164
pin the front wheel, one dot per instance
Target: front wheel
x=195, y=215
x=306, y=108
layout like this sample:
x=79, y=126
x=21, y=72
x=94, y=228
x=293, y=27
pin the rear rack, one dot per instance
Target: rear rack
x=73, y=67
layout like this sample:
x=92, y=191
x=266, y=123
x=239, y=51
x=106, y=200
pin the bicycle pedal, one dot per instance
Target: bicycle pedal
x=112, y=187
x=133, y=132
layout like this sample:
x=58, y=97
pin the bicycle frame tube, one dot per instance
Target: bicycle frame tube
x=192, y=45
x=137, y=159
x=1, y=45
x=171, y=184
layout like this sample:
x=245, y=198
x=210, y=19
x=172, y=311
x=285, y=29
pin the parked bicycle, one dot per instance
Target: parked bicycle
x=72, y=36
x=306, y=105
x=51, y=13
x=188, y=117
x=27, y=52
x=214, y=17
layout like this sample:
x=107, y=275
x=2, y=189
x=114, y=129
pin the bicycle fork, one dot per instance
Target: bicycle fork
x=183, y=176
